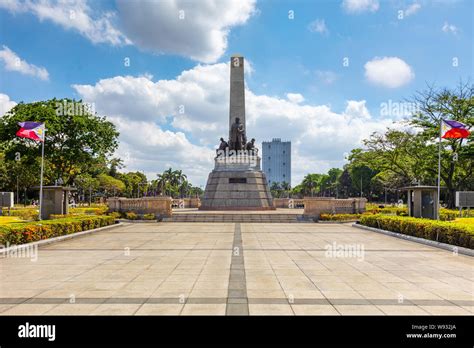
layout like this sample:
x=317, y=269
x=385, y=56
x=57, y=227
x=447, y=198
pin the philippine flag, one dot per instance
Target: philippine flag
x=31, y=130
x=453, y=130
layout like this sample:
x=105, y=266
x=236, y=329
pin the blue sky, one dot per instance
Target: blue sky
x=286, y=56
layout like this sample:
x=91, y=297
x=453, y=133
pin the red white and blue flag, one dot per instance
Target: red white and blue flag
x=453, y=130
x=31, y=130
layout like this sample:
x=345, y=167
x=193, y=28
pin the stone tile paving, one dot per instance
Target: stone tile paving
x=237, y=269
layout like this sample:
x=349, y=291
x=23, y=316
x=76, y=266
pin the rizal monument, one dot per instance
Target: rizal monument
x=237, y=181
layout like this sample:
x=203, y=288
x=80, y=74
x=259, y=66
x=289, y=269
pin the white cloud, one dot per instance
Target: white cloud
x=357, y=109
x=155, y=135
x=196, y=29
x=295, y=98
x=5, y=104
x=391, y=72
x=360, y=6
x=412, y=9
x=450, y=28
x=73, y=15
x=14, y=63
x=318, y=26
x=328, y=77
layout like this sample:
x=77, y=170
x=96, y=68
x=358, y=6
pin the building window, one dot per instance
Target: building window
x=283, y=163
x=268, y=157
x=283, y=175
x=283, y=151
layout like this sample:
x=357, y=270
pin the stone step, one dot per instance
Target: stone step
x=249, y=218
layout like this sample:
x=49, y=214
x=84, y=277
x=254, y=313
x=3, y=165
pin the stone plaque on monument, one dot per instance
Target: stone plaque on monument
x=237, y=181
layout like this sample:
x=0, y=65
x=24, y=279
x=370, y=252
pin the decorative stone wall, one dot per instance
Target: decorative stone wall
x=186, y=203
x=292, y=203
x=314, y=206
x=281, y=202
x=288, y=203
x=160, y=206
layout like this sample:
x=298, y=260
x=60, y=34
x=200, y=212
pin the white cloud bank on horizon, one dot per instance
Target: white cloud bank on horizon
x=6, y=104
x=178, y=122
x=12, y=62
x=390, y=72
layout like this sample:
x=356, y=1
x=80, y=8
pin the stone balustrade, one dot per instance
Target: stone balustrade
x=160, y=206
x=288, y=202
x=314, y=206
x=186, y=203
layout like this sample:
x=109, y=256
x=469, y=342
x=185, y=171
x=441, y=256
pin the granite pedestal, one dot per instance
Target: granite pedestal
x=237, y=185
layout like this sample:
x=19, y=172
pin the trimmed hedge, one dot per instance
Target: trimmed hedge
x=448, y=232
x=20, y=233
x=149, y=216
x=339, y=217
x=24, y=214
x=447, y=215
x=131, y=215
x=89, y=210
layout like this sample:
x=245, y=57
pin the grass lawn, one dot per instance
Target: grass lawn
x=469, y=221
x=4, y=220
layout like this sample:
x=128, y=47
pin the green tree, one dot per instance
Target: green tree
x=87, y=185
x=135, y=183
x=75, y=137
x=110, y=185
x=453, y=104
x=310, y=183
x=275, y=189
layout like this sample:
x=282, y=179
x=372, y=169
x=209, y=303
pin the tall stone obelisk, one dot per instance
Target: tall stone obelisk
x=237, y=91
x=237, y=181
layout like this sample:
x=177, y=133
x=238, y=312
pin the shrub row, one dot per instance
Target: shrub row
x=447, y=215
x=89, y=210
x=20, y=233
x=24, y=214
x=339, y=217
x=447, y=232
x=130, y=215
x=401, y=211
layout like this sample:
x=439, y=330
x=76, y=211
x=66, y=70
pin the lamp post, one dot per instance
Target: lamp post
x=17, y=192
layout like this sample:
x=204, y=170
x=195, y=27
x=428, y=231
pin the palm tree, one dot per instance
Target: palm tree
x=180, y=177
x=310, y=181
x=184, y=188
x=161, y=182
x=286, y=188
x=275, y=189
x=171, y=181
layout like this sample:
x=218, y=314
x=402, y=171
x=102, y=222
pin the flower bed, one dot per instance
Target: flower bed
x=27, y=232
x=446, y=232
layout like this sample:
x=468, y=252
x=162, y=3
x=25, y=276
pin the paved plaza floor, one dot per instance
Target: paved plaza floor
x=237, y=268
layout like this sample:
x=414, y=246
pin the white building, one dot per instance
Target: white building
x=276, y=161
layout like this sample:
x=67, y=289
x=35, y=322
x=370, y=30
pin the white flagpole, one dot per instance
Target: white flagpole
x=439, y=169
x=41, y=179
